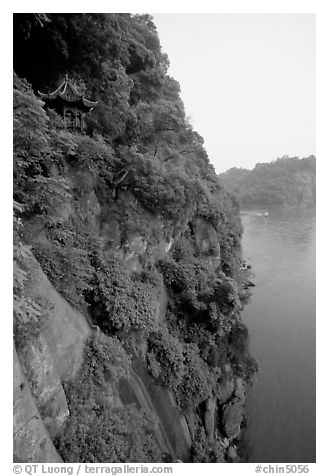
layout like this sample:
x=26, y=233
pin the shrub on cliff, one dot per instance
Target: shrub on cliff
x=120, y=302
x=165, y=358
x=243, y=363
x=203, y=293
x=197, y=382
x=65, y=257
x=106, y=435
x=202, y=452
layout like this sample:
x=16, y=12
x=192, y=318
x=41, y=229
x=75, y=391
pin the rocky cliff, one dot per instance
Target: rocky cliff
x=129, y=341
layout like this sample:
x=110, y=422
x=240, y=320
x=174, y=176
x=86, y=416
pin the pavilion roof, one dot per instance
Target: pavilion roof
x=68, y=92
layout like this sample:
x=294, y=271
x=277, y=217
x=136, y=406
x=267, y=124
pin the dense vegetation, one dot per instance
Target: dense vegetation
x=286, y=181
x=106, y=432
x=140, y=171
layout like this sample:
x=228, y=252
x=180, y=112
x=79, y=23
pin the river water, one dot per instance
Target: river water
x=281, y=322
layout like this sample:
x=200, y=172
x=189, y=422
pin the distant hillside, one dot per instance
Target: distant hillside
x=287, y=181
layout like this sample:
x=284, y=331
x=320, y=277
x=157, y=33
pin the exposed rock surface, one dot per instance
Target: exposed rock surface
x=31, y=439
x=225, y=392
x=240, y=389
x=206, y=237
x=232, y=418
x=65, y=329
x=190, y=421
x=51, y=359
x=47, y=389
x=210, y=417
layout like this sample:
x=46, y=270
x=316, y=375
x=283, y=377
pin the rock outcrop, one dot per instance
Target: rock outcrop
x=41, y=366
x=47, y=389
x=32, y=442
x=232, y=418
x=209, y=418
x=206, y=237
x=225, y=392
x=65, y=329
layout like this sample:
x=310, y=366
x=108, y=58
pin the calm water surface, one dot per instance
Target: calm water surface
x=281, y=321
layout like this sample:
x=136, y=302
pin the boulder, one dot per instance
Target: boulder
x=209, y=418
x=31, y=442
x=232, y=455
x=239, y=389
x=225, y=392
x=232, y=418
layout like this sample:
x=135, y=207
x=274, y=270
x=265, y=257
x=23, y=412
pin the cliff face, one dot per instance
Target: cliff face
x=43, y=361
x=287, y=181
x=130, y=345
x=31, y=439
x=51, y=358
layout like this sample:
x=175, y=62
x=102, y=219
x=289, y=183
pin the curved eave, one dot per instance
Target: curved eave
x=88, y=103
x=78, y=102
x=55, y=93
x=48, y=97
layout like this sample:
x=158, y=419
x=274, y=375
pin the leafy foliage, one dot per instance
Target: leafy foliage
x=198, y=381
x=65, y=256
x=208, y=297
x=201, y=451
x=121, y=302
x=165, y=358
x=244, y=364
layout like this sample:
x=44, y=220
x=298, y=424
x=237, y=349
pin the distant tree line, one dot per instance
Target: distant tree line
x=286, y=181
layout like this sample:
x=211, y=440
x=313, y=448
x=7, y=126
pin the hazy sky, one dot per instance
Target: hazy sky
x=247, y=81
